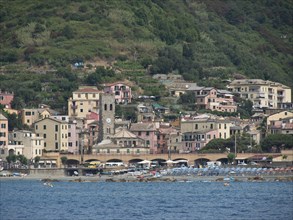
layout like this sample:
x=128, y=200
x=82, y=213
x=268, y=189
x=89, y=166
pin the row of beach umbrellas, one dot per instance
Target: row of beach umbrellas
x=227, y=170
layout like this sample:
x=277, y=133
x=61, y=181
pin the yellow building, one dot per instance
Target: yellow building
x=54, y=132
x=278, y=117
x=3, y=134
x=83, y=101
x=262, y=93
x=30, y=116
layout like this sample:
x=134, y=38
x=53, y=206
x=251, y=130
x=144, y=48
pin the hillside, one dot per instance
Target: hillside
x=203, y=40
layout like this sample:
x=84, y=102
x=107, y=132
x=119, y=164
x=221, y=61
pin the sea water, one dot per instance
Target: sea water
x=30, y=199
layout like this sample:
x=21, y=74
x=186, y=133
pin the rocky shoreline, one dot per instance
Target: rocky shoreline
x=127, y=178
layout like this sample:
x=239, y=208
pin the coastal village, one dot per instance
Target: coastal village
x=91, y=127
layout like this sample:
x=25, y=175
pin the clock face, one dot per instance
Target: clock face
x=108, y=120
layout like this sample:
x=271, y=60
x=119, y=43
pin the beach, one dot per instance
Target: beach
x=149, y=178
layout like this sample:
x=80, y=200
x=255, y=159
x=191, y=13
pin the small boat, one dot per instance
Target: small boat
x=226, y=184
x=48, y=184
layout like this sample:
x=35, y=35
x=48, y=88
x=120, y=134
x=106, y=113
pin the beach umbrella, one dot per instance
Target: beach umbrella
x=144, y=162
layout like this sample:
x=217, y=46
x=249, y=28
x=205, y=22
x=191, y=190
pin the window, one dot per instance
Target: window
x=81, y=110
x=3, y=125
x=111, y=107
x=28, y=113
x=148, y=142
x=196, y=126
x=45, y=135
x=45, y=144
x=105, y=107
x=108, y=151
x=128, y=151
x=118, y=151
x=56, y=128
x=69, y=134
x=56, y=137
x=36, y=151
x=69, y=144
x=37, y=127
x=139, y=133
x=44, y=127
x=138, y=151
x=56, y=146
x=147, y=133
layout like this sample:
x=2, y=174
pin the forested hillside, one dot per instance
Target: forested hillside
x=203, y=40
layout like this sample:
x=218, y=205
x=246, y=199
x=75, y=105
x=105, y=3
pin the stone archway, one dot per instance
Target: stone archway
x=11, y=152
x=200, y=162
x=223, y=160
x=159, y=162
x=72, y=163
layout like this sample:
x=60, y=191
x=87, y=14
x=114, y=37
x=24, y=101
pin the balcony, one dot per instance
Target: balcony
x=74, y=106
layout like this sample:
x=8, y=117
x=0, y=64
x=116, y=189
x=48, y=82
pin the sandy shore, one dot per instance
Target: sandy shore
x=129, y=178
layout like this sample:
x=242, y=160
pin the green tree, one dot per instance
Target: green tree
x=219, y=145
x=37, y=159
x=187, y=100
x=22, y=159
x=11, y=158
x=63, y=160
x=231, y=157
x=277, y=142
x=68, y=32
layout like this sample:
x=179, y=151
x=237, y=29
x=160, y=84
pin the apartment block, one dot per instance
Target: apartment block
x=214, y=99
x=54, y=132
x=83, y=101
x=32, y=144
x=122, y=92
x=263, y=93
x=30, y=116
x=147, y=132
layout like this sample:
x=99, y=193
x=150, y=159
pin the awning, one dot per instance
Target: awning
x=180, y=161
x=144, y=162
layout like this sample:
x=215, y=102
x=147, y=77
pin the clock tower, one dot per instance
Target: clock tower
x=107, y=116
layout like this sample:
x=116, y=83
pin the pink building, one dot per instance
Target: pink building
x=147, y=132
x=121, y=90
x=215, y=100
x=6, y=98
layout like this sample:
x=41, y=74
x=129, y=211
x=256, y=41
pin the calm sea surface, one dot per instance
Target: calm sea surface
x=28, y=199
